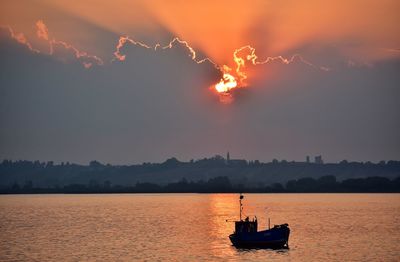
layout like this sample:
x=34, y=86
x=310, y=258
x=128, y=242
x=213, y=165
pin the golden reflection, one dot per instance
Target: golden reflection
x=222, y=207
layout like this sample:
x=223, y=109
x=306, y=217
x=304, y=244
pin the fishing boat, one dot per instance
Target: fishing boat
x=246, y=234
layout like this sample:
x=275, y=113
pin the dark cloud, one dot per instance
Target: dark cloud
x=158, y=104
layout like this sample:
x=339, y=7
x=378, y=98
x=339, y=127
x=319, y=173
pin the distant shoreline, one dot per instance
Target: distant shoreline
x=215, y=174
x=325, y=184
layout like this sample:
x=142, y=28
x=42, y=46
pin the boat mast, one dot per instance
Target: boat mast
x=240, y=206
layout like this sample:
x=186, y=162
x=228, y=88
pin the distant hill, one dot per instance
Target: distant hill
x=250, y=174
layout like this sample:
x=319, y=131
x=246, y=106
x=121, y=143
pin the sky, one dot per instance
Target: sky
x=136, y=81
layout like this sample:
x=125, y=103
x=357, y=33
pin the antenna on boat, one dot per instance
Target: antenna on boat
x=240, y=206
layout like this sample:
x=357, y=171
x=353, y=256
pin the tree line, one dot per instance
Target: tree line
x=250, y=174
x=222, y=184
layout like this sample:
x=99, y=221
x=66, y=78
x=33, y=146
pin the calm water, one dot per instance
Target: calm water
x=192, y=227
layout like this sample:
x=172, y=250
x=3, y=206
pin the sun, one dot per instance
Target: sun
x=226, y=83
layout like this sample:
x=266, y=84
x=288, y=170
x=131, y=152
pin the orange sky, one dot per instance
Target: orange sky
x=339, y=96
x=365, y=30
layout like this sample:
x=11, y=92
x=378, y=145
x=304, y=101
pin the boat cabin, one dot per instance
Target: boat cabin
x=246, y=226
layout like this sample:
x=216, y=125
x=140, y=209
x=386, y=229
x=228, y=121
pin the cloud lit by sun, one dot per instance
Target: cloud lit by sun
x=204, y=74
x=229, y=35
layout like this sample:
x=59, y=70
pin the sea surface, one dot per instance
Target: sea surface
x=193, y=227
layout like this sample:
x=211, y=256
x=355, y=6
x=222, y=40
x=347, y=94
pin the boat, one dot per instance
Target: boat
x=247, y=236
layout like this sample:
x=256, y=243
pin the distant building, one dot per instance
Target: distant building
x=237, y=162
x=318, y=160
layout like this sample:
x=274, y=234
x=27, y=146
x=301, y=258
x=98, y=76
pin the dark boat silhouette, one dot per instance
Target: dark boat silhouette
x=247, y=236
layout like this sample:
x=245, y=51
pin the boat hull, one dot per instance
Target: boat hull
x=277, y=237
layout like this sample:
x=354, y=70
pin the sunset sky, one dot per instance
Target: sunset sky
x=105, y=80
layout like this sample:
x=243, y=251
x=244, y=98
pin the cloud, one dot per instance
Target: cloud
x=157, y=101
x=8, y=32
x=41, y=30
x=59, y=49
x=157, y=104
x=124, y=40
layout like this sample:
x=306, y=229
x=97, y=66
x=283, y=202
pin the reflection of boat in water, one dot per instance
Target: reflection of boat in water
x=247, y=236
